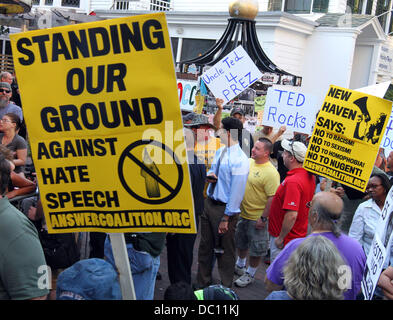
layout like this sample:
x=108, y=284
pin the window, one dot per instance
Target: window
x=174, y=42
x=8, y=48
x=382, y=11
x=382, y=6
x=297, y=6
x=36, y=2
x=193, y=48
x=70, y=3
x=274, y=5
x=320, y=6
x=369, y=6
x=356, y=6
x=49, y=2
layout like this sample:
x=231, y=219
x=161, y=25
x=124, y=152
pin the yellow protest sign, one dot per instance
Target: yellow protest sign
x=346, y=136
x=102, y=111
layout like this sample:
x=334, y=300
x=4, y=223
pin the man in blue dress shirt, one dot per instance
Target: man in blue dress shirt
x=227, y=177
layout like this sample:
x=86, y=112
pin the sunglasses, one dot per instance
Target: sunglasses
x=308, y=204
x=5, y=90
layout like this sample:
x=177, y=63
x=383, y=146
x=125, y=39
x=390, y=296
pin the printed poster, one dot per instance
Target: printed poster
x=102, y=112
x=346, y=136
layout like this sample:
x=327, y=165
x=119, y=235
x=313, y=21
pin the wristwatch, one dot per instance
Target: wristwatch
x=264, y=219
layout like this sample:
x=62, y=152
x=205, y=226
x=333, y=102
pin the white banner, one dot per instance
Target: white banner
x=380, y=248
x=187, y=90
x=231, y=75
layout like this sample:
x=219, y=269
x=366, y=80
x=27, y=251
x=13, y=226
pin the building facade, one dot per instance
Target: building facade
x=341, y=42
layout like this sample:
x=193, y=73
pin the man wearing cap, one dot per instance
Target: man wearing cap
x=228, y=177
x=7, y=77
x=288, y=216
x=188, y=117
x=246, y=140
x=89, y=279
x=206, y=144
x=5, y=105
x=180, y=246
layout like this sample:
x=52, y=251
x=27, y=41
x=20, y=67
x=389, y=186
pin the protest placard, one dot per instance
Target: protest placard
x=98, y=99
x=346, y=136
x=291, y=107
x=379, y=90
x=231, y=75
x=380, y=248
x=187, y=90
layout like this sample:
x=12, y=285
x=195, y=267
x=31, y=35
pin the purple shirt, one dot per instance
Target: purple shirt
x=350, y=249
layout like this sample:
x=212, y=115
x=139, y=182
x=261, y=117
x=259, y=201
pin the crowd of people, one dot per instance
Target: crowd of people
x=262, y=205
x=253, y=202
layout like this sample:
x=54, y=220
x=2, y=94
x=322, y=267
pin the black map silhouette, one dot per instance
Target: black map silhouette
x=366, y=129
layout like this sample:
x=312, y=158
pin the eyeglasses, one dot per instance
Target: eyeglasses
x=6, y=120
x=5, y=90
x=373, y=186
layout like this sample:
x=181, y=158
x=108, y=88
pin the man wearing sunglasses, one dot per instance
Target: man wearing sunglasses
x=6, y=106
x=288, y=216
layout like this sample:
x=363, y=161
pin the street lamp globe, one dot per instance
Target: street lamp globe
x=245, y=9
x=15, y=6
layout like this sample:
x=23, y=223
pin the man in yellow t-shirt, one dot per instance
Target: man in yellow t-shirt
x=251, y=231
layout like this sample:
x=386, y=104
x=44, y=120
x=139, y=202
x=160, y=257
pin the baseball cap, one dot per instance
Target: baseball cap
x=188, y=116
x=5, y=85
x=237, y=110
x=295, y=148
x=199, y=119
x=216, y=292
x=89, y=279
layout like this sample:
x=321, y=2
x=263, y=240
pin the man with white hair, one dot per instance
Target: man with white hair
x=288, y=212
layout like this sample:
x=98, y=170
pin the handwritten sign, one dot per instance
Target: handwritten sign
x=346, y=136
x=290, y=106
x=231, y=75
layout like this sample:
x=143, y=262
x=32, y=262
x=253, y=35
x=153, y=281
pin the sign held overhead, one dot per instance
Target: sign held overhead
x=231, y=75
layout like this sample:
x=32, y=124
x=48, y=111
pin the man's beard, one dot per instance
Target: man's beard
x=3, y=102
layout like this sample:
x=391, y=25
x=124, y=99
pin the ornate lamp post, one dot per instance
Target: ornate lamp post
x=15, y=6
x=241, y=30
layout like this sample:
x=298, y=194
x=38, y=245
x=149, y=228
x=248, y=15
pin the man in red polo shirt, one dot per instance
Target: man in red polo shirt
x=288, y=216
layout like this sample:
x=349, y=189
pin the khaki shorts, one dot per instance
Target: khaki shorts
x=255, y=240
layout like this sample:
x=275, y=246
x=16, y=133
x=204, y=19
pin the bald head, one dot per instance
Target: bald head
x=325, y=211
x=6, y=77
x=329, y=201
